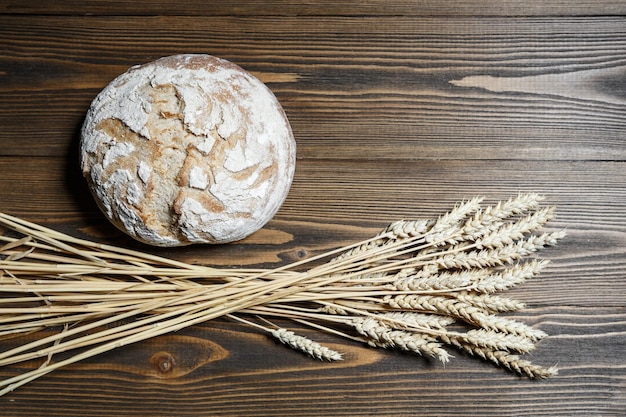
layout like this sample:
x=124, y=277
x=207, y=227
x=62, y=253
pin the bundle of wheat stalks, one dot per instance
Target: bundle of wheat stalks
x=404, y=288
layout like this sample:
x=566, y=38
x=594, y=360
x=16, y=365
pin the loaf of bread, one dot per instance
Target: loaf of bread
x=187, y=149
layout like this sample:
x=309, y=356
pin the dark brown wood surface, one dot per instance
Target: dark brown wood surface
x=400, y=109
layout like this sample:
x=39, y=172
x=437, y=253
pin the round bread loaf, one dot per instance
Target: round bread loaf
x=187, y=149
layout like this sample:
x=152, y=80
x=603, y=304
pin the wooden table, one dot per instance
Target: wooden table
x=400, y=109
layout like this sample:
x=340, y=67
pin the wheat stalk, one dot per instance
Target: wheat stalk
x=418, y=286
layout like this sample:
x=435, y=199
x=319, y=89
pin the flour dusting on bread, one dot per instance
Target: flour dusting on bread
x=187, y=149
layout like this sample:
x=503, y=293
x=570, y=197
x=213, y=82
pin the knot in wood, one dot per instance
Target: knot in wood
x=163, y=362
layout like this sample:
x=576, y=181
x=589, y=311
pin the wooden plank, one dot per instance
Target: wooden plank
x=222, y=368
x=318, y=8
x=399, y=87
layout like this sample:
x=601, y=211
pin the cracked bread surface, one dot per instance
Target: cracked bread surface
x=187, y=149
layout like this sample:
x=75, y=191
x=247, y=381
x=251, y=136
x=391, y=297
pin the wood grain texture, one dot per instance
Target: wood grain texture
x=400, y=109
x=268, y=379
x=380, y=87
x=317, y=8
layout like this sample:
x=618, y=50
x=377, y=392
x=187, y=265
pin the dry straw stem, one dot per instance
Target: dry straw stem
x=404, y=288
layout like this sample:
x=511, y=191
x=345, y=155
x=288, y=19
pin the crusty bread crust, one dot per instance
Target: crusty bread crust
x=187, y=149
